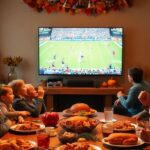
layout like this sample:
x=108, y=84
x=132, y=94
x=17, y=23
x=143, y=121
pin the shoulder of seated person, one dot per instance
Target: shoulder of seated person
x=137, y=87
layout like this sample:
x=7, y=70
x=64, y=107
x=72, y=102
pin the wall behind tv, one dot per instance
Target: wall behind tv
x=18, y=35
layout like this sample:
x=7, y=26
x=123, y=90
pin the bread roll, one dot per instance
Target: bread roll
x=122, y=139
x=77, y=118
x=79, y=107
x=130, y=141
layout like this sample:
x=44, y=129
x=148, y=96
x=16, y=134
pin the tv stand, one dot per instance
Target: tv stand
x=80, y=83
x=107, y=92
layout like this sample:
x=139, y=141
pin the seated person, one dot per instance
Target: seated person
x=6, y=100
x=20, y=103
x=5, y=124
x=144, y=98
x=35, y=98
x=130, y=105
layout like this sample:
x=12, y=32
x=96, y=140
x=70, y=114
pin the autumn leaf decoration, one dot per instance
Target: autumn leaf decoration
x=89, y=7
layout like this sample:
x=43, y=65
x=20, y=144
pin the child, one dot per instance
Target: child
x=20, y=102
x=6, y=100
x=35, y=98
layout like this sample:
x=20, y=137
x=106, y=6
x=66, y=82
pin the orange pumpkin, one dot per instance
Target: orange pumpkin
x=111, y=82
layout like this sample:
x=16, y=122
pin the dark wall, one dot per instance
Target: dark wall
x=62, y=102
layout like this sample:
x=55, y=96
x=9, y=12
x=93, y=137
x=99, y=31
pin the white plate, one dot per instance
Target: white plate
x=139, y=143
x=93, y=146
x=33, y=144
x=12, y=128
x=27, y=143
x=104, y=121
x=68, y=113
x=146, y=142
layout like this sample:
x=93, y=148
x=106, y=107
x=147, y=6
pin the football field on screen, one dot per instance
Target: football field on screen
x=80, y=54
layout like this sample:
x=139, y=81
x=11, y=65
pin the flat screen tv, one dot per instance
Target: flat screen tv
x=80, y=51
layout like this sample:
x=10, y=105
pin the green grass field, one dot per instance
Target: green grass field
x=97, y=54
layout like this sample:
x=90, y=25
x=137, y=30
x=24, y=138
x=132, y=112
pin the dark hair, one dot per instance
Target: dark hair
x=136, y=74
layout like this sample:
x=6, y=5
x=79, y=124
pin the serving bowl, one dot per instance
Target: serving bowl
x=78, y=124
x=67, y=137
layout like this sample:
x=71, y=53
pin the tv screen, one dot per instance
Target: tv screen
x=80, y=51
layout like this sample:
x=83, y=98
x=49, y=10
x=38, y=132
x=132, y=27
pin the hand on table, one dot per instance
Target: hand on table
x=24, y=113
x=20, y=119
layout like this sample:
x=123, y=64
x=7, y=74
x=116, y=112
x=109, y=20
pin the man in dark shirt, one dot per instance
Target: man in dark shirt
x=130, y=105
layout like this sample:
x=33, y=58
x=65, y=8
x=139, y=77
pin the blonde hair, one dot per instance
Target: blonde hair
x=16, y=85
x=29, y=86
x=4, y=89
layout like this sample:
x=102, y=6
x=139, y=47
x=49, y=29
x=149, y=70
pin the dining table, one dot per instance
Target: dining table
x=54, y=140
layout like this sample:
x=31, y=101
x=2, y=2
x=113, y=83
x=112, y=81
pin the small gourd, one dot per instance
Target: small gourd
x=104, y=84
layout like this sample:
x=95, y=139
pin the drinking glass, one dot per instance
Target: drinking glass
x=107, y=129
x=140, y=125
x=43, y=139
x=108, y=114
x=51, y=131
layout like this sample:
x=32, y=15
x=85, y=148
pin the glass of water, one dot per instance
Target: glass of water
x=108, y=114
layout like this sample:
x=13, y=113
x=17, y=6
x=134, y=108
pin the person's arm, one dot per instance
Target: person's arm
x=15, y=115
x=22, y=105
x=40, y=105
x=39, y=101
x=4, y=125
x=142, y=114
x=9, y=114
x=40, y=92
x=119, y=94
x=131, y=98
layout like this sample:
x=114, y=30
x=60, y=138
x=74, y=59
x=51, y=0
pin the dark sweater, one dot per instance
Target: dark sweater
x=131, y=103
x=22, y=105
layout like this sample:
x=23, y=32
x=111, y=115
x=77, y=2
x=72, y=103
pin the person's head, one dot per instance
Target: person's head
x=18, y=87
x=31, y=92
x=135, y=75
x=6, y=94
